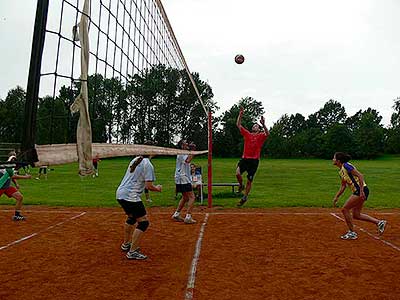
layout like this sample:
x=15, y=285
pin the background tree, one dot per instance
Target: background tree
x=393, y=132
x=228, y=141
x=12, y=115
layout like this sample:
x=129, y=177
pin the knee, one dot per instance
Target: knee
x=143, y=225
x=344, y=210
x=18, y=197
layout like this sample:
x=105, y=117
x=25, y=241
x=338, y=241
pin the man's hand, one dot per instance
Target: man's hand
x=262, y=120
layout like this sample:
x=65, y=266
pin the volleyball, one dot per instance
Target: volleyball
x=239, y=59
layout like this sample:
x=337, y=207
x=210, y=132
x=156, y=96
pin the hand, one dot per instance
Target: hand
x=262, y=120
x=192, y=146
x=241, y=110
x=29, y=176
x=362, y=195
x=159, y=187
x=17, y=186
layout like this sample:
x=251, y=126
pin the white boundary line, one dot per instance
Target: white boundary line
x=197, y=213
x=41, y=231
x=370, y=234
x=192, y=273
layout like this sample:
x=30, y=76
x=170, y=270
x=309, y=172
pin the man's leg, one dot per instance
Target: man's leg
x=239, y=179
x=191, y=199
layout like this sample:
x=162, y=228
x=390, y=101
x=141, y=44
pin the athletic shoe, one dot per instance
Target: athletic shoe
x=18, y=218
x=149, y=200
x=125, y=246
x=350, y=235
x=177, y=218
x=381, y=226
x=242, y=201
x=136, y=255
x=190, y=220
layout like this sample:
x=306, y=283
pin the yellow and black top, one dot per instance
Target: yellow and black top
x=352, y=181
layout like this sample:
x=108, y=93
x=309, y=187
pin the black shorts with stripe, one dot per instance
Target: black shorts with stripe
x=366, y=192
x=248, y=165
x=134, y=209
x=184, y=188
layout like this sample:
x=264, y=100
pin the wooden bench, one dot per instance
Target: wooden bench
x=231, y=184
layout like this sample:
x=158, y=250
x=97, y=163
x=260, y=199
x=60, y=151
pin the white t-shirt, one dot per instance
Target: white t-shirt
x=182, y=170
x=132, y=185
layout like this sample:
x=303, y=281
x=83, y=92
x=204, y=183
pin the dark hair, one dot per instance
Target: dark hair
x=343, y=157
x=181, y=142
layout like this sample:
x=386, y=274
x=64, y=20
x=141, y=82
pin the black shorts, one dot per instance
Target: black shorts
x=184, y=188
x=134, y=209
x=366, y=192
x=248, y=165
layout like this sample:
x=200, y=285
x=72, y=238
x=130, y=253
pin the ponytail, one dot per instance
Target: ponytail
x=136, y=163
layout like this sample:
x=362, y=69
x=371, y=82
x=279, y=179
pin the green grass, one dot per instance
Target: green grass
x=278, y=183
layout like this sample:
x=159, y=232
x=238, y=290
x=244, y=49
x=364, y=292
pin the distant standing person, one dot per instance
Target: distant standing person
x=96, y=161
x=253, y=142
x=183, y=183
x=351, y=177
x=138, y=176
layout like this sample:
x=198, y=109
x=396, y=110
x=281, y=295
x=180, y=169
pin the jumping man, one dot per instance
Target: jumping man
x=253, y=142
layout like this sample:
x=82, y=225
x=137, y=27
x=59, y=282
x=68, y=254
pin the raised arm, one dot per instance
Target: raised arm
x=239, y=118
x=262, y=121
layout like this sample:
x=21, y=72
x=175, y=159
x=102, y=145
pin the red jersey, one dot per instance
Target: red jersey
x=253, y=143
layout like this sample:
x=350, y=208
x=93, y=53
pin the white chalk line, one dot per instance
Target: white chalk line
x=195, y=260
x=370, y=234
x=198, y=213
x=41, y=231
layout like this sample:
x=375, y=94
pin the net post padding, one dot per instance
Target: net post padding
x=81, y=103
x=58, y=154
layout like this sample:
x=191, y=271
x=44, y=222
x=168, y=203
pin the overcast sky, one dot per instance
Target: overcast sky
x=299, y=54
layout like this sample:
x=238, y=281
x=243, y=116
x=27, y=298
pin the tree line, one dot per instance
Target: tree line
x=320, y=135
x=160, y=105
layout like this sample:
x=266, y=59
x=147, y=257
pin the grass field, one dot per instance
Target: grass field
x=278, y=183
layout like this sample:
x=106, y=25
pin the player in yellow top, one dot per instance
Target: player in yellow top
x=355, y=180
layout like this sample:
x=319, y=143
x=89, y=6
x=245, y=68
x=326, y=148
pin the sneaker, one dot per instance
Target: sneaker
x=177, y=218
x=350, y=235
x=18, y=218
x=125, y=246
x=149, y=200
x=135, y=255
x=381, y=226
x=190, y=220
x=242, y=201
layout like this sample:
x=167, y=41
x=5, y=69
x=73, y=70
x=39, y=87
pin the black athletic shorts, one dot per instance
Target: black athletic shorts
x=248, y=165
x=134, y=209
x=366, y=192
x=184, y=188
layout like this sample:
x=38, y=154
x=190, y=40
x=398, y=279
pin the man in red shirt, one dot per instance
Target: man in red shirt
x=253, y=142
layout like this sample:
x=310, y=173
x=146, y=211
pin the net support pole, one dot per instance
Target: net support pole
x=28, y=152
x=209, y=190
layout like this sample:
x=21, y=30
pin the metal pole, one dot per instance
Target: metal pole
x=28, y=151
x=209, y=159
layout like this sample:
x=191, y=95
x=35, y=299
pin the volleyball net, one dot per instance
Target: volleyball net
x=110, y=72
